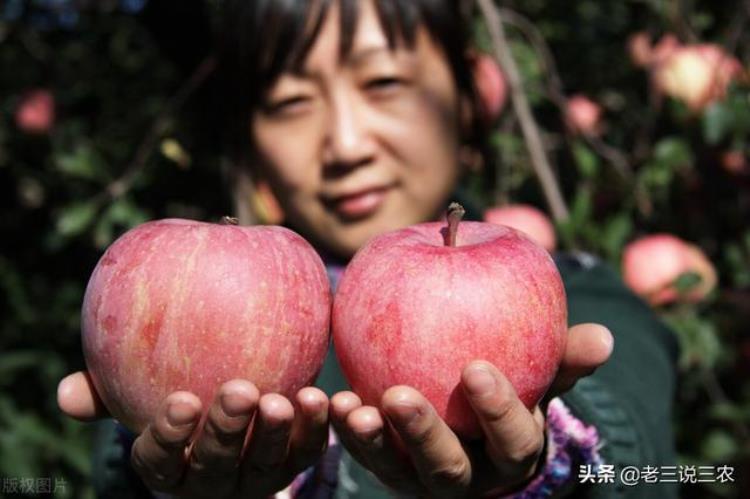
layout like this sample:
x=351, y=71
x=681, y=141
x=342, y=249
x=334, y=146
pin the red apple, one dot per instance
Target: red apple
x=416, y=305
x=184, y=305
x=35, y=113
x=651, y=266
x=639, y=49
x=491, y=85
x=583, y=116
x=735, y=162
x=665, y=47
x=698, y=75
x=528, y=220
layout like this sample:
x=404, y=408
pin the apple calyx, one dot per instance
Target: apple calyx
x=454, y=215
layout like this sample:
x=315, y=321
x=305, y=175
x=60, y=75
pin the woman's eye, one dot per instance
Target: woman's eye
x=386, y=83
x=288, y=105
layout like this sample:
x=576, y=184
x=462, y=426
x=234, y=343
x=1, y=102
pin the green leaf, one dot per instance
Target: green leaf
x=581, y=210
x=728, y=412
x=719, y=446
x=586, y=160
x=76, y=218
x=616, y=232
x=674, y=153
x=687, y=281
x=718, y=121
x=125, y=212
x=84, y=162
x=699, y=339
x=11, y=362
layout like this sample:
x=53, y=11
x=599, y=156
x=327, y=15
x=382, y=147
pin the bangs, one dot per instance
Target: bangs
x=290, y=29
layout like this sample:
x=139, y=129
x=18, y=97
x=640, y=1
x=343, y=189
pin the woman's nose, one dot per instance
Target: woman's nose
x=349, y=141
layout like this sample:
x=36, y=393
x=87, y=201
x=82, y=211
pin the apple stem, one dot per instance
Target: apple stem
x=230, y=220
x=455, y=213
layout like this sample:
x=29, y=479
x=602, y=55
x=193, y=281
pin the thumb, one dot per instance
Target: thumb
x=588, y=347
x=77, y=398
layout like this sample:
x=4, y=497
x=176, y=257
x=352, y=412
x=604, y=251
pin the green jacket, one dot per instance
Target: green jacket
x=629, y=399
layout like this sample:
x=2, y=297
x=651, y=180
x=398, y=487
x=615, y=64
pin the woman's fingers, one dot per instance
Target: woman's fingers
x=309, y=437
x=375, y=443
x=343, y=404
x=215, y=456
x=588, y=347
x=269, y=443
x=264, y=468
x=363, y=432
x=514, y=439
x=159, y=453
x=438, y=456
x=77, y=397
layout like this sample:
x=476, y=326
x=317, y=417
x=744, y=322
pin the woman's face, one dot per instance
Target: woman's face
x=356, y=147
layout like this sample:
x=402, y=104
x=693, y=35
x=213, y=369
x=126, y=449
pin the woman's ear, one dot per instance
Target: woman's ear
x=266, y=205
x=254, y=202
x=491, y=85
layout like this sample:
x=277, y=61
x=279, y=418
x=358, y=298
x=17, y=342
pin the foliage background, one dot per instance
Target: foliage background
x=129, y=144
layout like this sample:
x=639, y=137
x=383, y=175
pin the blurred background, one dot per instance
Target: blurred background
x=644, y=111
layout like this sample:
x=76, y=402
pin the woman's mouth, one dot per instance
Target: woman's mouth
x=360, y=204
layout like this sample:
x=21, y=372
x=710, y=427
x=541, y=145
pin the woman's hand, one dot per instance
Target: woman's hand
x=439, y=464
x=284, y=439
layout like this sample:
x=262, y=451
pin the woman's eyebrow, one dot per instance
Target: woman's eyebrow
x=357, y=57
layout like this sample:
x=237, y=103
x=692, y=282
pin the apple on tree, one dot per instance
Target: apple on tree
x=183, y=305
x=416, y=305
x=528, y=220
x=35, y=113
x=697, y=75
x=652, y=265
x=583, y=116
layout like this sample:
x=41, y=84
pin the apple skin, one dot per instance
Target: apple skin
x=35, y=113
x=583, y=116
x=183, y=305
x=492, y=87
x=735, y=162
x=528, y=220
x=698, y=75
x=651, y=265
x=639, y=49
x=411, y=311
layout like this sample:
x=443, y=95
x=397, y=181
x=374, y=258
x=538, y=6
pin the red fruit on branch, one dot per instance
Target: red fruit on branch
x=697, y=75
x=652, y=265
x=664, y=48
x=491, y=85
x=416, y=305
x=184, y=305
x=639, y=49
x=583, y=116
x=35, y=113
x=526, y=219
x=735, y=162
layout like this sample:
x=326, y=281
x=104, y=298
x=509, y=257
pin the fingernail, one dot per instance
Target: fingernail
x=367, y=436
x=406, y=413
x=234, y=404
x=480, y=381
x=608, y=341
x=180, y=414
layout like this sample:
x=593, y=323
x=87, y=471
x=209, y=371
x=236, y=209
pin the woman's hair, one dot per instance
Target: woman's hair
x=261, y=39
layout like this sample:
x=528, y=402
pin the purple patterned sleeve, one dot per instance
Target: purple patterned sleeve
x=570, y=443
x=319, y=481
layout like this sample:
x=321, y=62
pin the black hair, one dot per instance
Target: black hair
x=261, y=39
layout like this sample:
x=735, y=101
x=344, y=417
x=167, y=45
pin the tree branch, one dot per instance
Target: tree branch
x=529, y=127
x=124, y=182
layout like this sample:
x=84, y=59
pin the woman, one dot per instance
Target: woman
x=355, y=118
